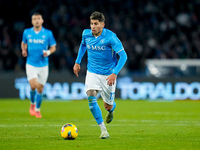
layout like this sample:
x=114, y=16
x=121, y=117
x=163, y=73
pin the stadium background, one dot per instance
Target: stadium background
x=155, y=29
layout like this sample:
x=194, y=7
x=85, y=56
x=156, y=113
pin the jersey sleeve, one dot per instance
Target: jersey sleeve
x=82, y=50
x=24, y=39
x=52, y=40
x=116, y=43
x=119, y=49
x=121, y=62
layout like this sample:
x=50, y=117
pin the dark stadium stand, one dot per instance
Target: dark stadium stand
x=148, y=29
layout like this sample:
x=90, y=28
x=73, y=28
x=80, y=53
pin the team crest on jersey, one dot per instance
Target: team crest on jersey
x=43, y=36
x=29, y=36
x=102, y=41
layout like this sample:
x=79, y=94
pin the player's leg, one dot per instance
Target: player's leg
x=93, y=105
x=41, y=81
x=110, y=109
x=31, y=76
x=33, y=85
x=35, y=109
x=96, y=112
x=39, y=97
x=108, y=96
x=92, y=83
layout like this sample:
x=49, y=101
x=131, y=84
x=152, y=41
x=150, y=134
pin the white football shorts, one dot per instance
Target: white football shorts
x=98, y=82
x=40, y=73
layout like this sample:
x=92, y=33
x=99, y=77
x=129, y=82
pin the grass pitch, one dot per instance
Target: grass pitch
x=141, y=125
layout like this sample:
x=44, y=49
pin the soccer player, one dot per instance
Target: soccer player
x=37, y=44
x=102, y=45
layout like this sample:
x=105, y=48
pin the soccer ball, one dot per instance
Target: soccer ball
x=69, y=131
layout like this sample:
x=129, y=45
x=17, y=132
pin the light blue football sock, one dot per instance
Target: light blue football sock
x=113, y=108
x=38, y=100
x=95, y=110
x=32, y=96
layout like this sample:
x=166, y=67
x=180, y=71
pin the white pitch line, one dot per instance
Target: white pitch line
x=28, y=125
x=125, y=120
x=151, y=124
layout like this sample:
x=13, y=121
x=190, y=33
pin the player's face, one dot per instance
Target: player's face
x=37, y=21
x=96, y=27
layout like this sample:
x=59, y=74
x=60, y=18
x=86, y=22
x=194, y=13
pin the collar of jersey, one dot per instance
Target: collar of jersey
x=40, y=30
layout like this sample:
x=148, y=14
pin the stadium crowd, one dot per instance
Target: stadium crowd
x=147, y=28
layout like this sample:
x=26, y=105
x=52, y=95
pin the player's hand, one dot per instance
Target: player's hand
x=24, y=53
x=76, y=69
x=111, y=79
x=46, y=53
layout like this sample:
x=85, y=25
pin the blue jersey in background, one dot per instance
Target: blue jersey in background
x=101, y=51
x=37, y=42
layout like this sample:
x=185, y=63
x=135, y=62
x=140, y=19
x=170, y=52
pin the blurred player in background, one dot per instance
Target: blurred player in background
x=102, y=45
x=37, y=44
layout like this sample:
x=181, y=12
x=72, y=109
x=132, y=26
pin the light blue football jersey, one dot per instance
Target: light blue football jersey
x=101, y=51
x=37, y=42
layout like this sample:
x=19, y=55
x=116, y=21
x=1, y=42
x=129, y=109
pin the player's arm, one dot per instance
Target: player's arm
x=52, y=43
x=122, y=60
x=51, y=50
x=81, y=52
x=24, y=44
x=118, y=47
x=24, y=49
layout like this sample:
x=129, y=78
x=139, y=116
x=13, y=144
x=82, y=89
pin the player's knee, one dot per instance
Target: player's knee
x=33, y=86
x=91, y=93
x=40, y=89
x=108, y=107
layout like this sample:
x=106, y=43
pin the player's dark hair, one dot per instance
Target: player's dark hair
x=36, y=13
x=97, y=16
